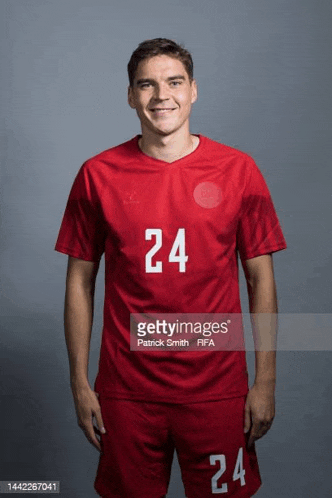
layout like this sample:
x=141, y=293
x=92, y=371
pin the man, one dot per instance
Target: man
x=172, y=211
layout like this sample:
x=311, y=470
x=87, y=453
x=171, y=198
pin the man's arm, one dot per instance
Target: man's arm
x=78, y=316
x=260, y=406
x=78, y=319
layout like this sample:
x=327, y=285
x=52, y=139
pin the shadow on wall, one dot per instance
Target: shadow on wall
x=41, y=439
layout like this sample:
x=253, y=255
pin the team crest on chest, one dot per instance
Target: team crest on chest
x=207, y=195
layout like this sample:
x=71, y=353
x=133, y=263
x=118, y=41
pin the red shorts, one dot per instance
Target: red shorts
x=138, y=448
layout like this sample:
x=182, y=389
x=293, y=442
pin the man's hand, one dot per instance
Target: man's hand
x=259, y=412
x=87, y=407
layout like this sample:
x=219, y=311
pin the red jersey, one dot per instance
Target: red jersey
x=171, y=234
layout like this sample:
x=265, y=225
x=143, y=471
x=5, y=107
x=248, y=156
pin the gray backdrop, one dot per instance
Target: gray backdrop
x=264, y=77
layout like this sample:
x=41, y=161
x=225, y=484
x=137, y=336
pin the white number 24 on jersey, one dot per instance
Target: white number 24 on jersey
x=177, y=254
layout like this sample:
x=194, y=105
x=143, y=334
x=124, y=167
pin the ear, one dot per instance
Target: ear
x=131, y=98
x=193, y=91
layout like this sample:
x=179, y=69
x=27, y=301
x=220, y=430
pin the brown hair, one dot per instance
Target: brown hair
x=159, y=46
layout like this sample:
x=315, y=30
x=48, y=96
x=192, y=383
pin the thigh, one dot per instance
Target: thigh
x=137, y=450
x=211, y=449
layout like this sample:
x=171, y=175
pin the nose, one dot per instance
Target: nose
x=161, y=92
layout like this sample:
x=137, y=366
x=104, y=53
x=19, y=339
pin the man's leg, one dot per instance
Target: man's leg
x=212, y=449
x=137, y=450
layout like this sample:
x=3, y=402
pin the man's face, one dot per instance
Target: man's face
x=162, y=95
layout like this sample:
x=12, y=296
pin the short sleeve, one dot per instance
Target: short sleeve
x=259, y=230
x=82, y=232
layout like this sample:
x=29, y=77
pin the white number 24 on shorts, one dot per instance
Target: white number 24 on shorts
x=238, y=473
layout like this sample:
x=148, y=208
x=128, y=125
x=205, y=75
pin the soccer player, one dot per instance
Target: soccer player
x=173, y=212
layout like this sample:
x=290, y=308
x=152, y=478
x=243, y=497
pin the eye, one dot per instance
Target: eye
x=176, y=83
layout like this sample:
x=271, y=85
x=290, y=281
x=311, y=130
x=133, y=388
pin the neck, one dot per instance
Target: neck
x=168, y=148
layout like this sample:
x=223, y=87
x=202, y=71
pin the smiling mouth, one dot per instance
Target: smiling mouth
x=162, y=110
